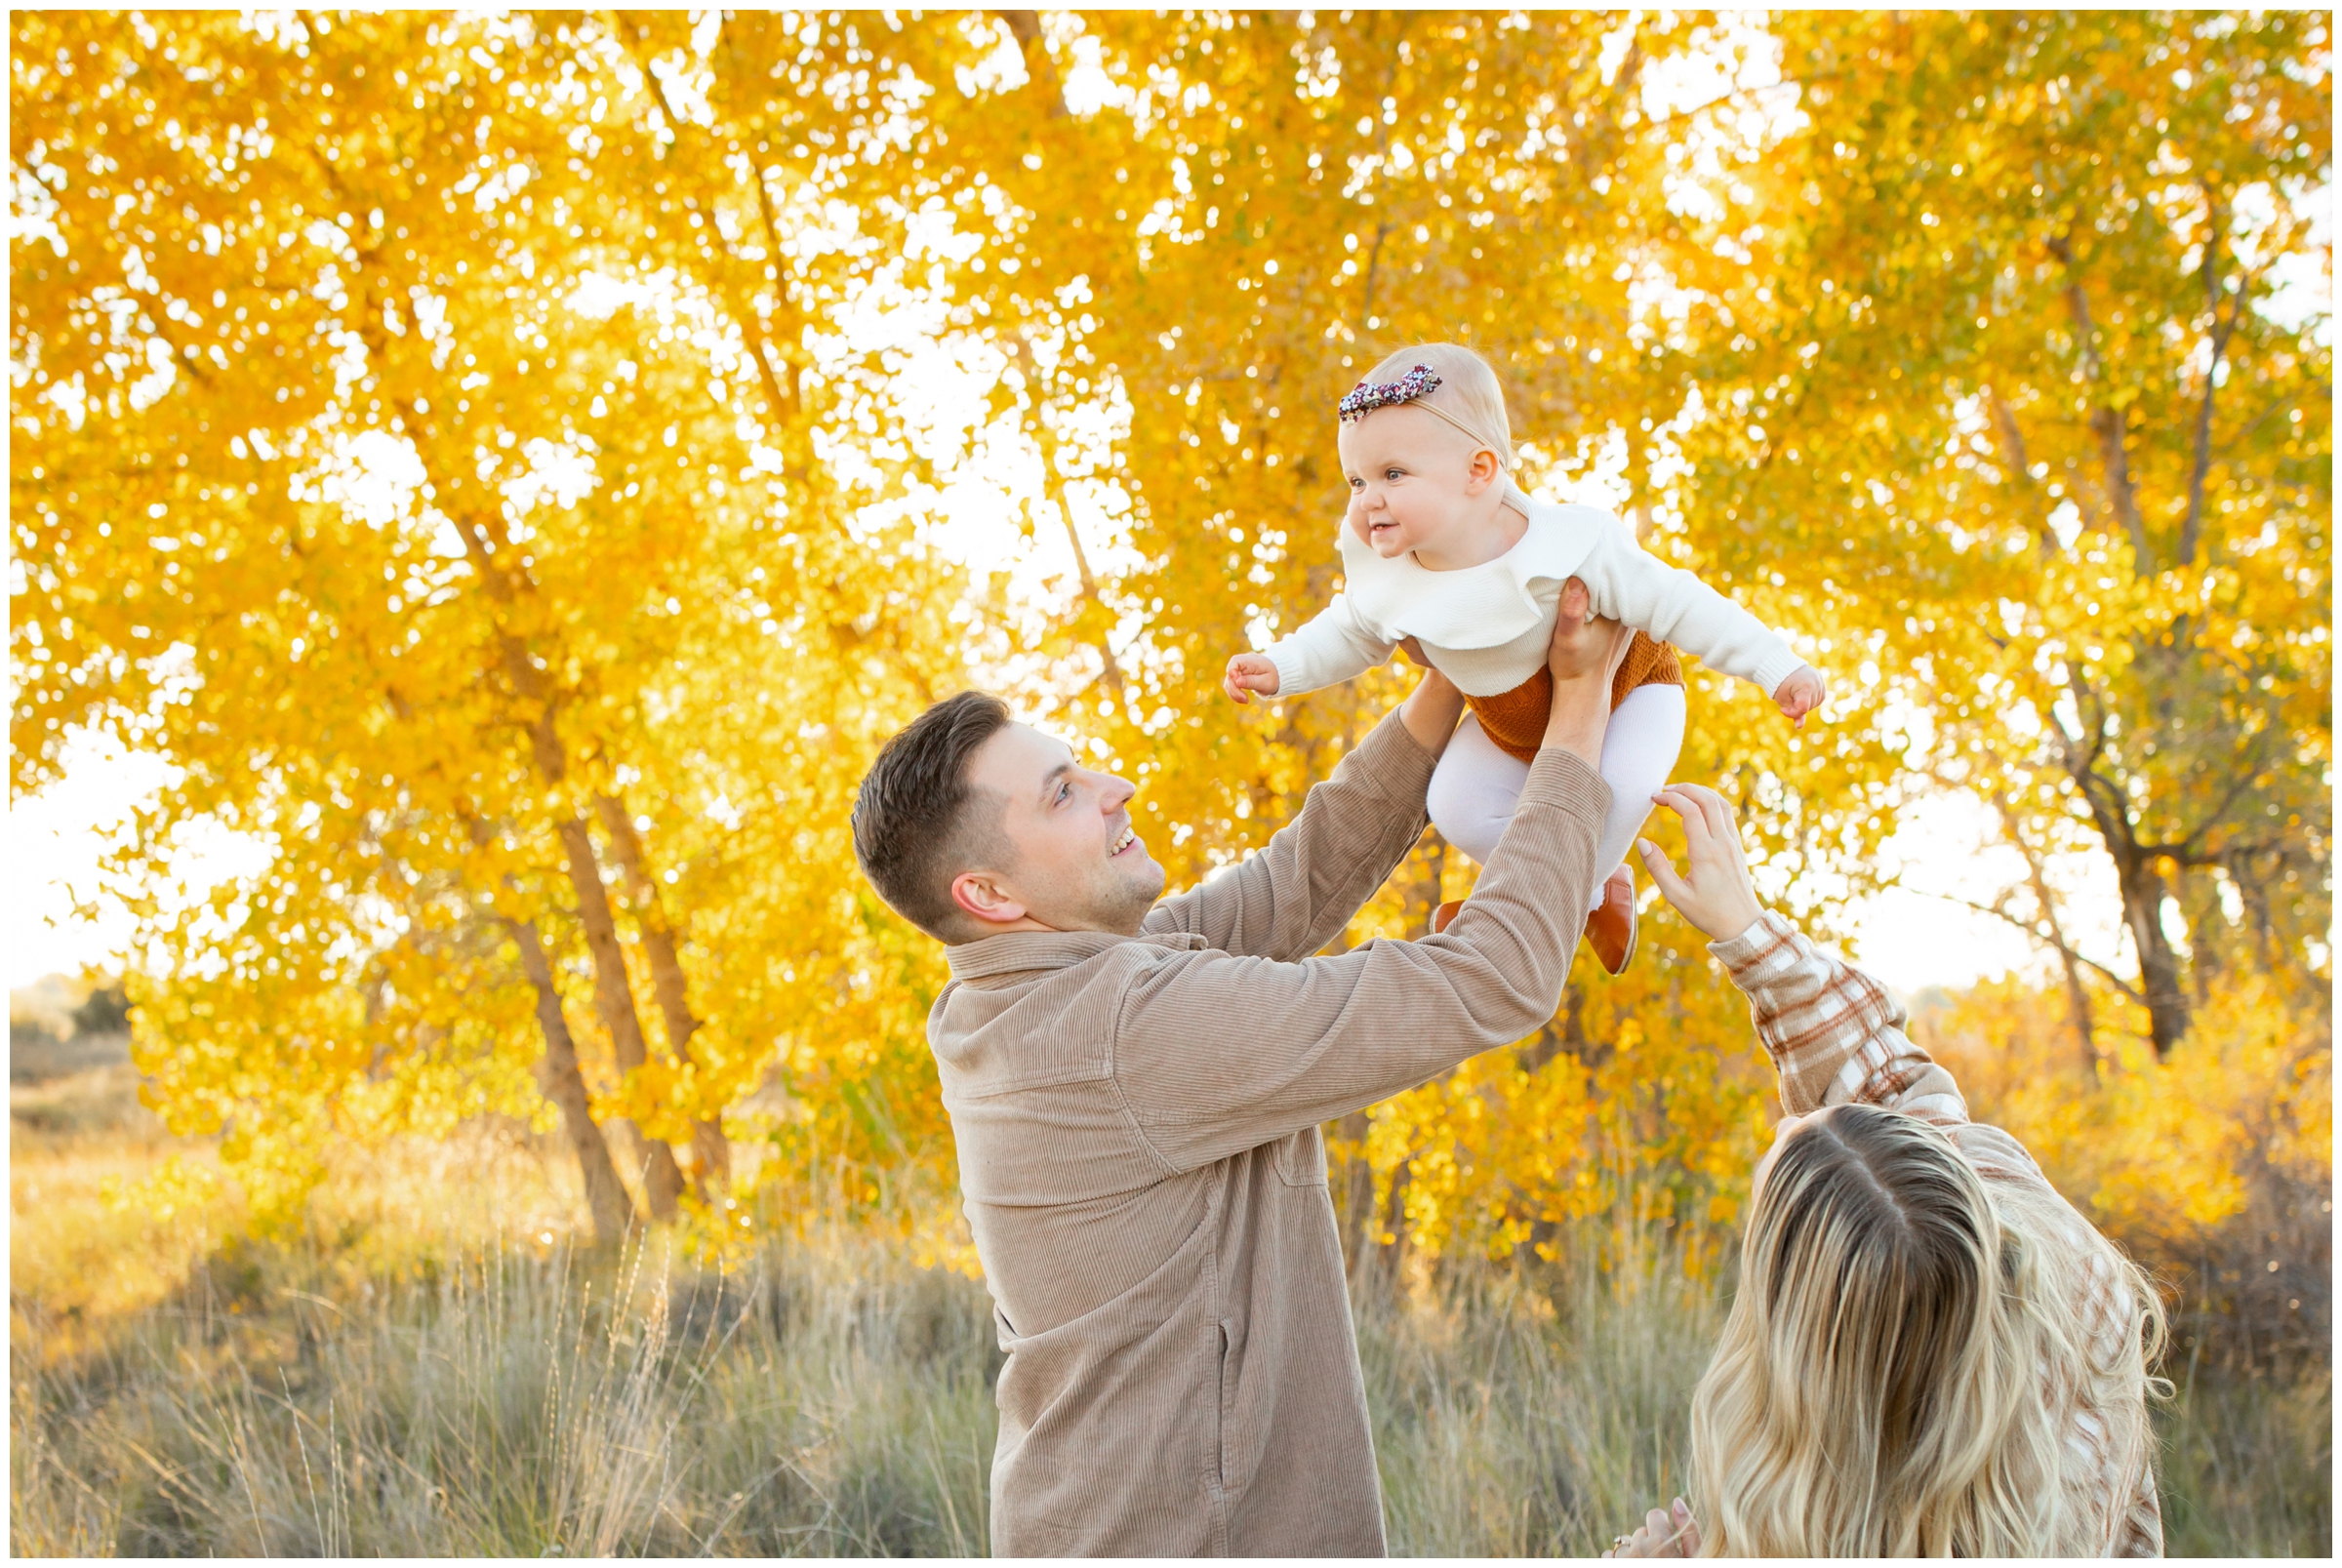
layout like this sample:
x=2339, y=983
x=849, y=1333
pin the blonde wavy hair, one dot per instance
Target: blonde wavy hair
x=1905, y=1357
x=1468, y=395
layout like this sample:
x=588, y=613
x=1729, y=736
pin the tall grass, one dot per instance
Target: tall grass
x=828, y=1404
x=1532, y=1411
x=409, y=1381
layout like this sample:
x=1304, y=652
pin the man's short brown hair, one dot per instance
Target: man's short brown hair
x=918, y=823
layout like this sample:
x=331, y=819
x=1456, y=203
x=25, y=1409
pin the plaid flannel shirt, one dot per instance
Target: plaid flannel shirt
x=1836, y=1037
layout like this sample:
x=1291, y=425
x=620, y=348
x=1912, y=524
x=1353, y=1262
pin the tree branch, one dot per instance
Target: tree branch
x=1039, y=70
x=2078, y=996
x=2047, y=940
x=1045, y=437
x=2220, y=334
x=2107, y=420
x=2019, y=462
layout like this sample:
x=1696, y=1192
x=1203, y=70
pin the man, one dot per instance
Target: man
x=1136, y=1086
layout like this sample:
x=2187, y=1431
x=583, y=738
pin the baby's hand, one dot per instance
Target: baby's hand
x=1250, y=673
x=1802, y=692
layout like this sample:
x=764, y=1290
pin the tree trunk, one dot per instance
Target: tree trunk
x=614, y=1001
x=2135, y=868
x=707, y=1139
x=558, y=1077
x=2142, y=894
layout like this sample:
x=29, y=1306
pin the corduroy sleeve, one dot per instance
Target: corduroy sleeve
x=1215, y=1053
x=1299, y=889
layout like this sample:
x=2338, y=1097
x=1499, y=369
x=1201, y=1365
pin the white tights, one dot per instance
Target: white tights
x=1475, y=784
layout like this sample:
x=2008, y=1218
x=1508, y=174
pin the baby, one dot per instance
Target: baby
x=1442, y=548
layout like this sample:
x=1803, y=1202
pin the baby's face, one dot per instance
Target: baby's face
x=1412, y=479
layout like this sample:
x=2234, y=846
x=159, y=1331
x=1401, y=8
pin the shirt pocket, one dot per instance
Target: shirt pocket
x=1301, y=1158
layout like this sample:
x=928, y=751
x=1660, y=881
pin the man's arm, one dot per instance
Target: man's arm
x=1296, y=893
x=1215, y=1053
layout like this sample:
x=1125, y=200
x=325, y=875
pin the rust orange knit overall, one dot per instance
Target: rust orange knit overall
x=1515, y=719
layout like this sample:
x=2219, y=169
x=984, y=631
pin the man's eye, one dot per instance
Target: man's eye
x=1064, y=792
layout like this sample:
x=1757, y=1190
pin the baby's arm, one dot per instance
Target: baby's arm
x=1675, y=606
x=1331, y=647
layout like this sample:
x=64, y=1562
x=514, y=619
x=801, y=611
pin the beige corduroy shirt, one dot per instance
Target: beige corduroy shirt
x=1137, y=1122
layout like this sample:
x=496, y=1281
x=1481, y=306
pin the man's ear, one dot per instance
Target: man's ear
x=981, y=896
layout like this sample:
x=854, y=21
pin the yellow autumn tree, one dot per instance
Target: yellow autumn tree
x=416, y=443
x=462, y=446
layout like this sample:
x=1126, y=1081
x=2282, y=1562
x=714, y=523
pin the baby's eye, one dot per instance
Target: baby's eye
x=1393, y=473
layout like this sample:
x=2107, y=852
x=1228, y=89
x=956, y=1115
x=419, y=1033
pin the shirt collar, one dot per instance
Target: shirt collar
x=1015, y=952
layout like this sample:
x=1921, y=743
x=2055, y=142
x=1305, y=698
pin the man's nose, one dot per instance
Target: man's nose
x=1114, y=793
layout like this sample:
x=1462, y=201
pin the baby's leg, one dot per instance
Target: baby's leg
x=1638, y=752
x=1473, y=790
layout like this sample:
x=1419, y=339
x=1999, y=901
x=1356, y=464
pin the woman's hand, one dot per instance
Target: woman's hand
x=1802, y=693
x=1250, y=673
x=1715, y=893
x=1669, y=1532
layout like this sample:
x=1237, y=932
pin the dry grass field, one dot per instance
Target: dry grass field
x=434, y=1370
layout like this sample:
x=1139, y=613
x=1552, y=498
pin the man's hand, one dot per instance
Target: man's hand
x=1802, y=693
x=1716, y=893
x=1250, y=673
x=1583, y=656
x=1669, y=1532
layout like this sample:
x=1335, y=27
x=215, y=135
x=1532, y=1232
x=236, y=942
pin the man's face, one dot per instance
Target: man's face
x=1078, y=862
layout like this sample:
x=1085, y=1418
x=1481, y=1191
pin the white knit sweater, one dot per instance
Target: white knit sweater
x=1488, y=627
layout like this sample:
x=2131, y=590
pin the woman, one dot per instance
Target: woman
x=1930, y=1353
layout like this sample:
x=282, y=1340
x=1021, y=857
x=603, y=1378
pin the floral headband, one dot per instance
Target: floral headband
x=1412, y=388
x=1367, y=396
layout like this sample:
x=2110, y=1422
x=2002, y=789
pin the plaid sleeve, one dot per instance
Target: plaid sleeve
x=2121, y=1475
x=1834, y=1035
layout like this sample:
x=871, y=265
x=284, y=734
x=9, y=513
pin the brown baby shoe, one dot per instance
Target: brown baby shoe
x=1610, y=929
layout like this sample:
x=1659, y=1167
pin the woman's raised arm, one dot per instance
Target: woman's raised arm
x=1834, y=1035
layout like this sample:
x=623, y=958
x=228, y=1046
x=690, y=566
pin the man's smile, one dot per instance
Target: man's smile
x=1122, y=841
